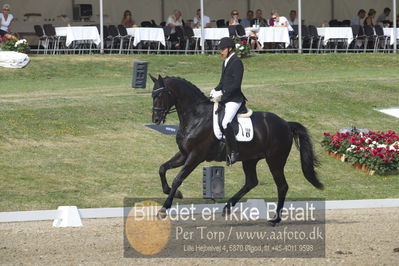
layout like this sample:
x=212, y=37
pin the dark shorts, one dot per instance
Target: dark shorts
x=2, y=33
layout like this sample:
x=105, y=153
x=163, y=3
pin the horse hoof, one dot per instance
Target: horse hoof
x=178, y=195
x=162, y=213
x=274, y=222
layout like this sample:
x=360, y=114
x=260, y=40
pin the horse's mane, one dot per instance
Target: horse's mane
x=191, y=88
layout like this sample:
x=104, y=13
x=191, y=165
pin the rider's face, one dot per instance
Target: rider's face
x=224, y=53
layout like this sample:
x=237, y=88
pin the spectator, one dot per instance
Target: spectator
x=293, y=20
x=259, y=18
x=383, y=18
x=280, y=21
x=127, y=19
x=6, y=20
x=197, y=20
x=361, y=14
x=271, y=20
x=174, y=21
x=370, y=17
x=247, y=22
x=234, y=18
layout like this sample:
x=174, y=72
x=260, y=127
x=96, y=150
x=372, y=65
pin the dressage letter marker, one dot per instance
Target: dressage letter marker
x=139, y=74
x=165, y=129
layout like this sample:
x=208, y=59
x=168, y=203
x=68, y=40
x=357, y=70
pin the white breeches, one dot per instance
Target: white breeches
x=231, y=109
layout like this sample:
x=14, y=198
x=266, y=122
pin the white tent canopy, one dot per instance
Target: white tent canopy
x=314, y=12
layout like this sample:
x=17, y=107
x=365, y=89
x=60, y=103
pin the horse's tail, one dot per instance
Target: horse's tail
x=308, y=158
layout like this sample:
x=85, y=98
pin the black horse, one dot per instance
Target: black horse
x=273, y=138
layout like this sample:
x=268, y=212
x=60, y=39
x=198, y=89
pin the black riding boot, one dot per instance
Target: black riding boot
x=231, y=145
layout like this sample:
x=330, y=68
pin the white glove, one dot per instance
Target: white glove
x=212, y=92
x=216, y=95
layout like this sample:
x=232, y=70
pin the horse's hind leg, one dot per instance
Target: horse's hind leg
x=176, y=161
x=276, y=165
x=251, y=180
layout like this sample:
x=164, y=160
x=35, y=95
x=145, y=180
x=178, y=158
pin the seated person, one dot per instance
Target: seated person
x=361, y=14
x=174, y=21
x=247, y=22
x=197, y=20
x=369, y=20
x=270, y=22
x=127, y=19
x=259, y=19
x=6, y=20
x=234, y=18
x=280, y=21
x=293, y=20
x=383, y=18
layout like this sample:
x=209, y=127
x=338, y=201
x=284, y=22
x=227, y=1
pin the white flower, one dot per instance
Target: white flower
x=237, y=45
x=242, y=48
x=22, y=41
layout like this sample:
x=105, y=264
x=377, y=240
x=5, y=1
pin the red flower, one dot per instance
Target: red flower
x=244, y=42
x=325, y=133
x=337, y=146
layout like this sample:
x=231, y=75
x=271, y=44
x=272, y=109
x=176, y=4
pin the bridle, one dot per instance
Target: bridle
x=164, y=111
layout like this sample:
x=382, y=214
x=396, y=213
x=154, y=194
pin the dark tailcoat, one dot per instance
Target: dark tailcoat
x=230, y=81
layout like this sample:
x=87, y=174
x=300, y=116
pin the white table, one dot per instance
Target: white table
x=389, y=32
x=79, y=34
x=336, y=33
x=273, y=34
x=212, y=33
x=147, y=34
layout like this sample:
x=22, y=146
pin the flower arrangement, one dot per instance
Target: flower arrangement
x=376, y=151
x=13, y=44
x=242, y=48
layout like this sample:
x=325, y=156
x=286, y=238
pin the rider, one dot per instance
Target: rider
x=229, y=89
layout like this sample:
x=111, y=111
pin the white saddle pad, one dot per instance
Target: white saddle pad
x=245, y=132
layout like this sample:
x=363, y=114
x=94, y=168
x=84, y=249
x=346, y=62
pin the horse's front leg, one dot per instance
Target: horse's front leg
x=251, y=181
x=193, y=160
x=176, y=161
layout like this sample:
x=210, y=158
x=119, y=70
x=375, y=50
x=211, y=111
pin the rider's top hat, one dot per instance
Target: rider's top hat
x=226, y=42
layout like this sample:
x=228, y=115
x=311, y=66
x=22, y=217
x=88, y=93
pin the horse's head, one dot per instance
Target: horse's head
x=163, y=100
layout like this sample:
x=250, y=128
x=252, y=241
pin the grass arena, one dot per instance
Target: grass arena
x=72, y=133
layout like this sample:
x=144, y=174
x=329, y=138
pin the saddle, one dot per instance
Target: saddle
x=242, y=122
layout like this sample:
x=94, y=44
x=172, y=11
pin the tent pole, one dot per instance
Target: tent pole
x=299, y=26
x=162, y=10
x=248, y=5
x=395, y=30
x=101, y=27
x=202, y=28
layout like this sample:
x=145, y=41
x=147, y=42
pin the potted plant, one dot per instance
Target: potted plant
x=242, y=48
x=13, y=44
